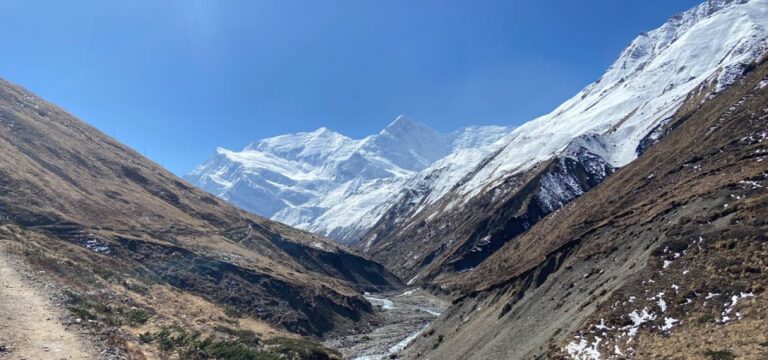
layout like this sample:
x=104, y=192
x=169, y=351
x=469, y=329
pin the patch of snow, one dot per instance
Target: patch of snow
x=407, y=341
x=638, y=319
x=95, y=246
x=413, y=279
x=662, y=305
x=617, y=351
x=429, y=311
x=602, y=326
x=753, y=184
x=583, y=350
x=383, y=303
x=729, y=307
x=669, y=323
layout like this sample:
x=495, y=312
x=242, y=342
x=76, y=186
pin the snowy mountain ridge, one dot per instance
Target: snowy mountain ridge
x=326, y=182
x=334, y=185
x=710, y=44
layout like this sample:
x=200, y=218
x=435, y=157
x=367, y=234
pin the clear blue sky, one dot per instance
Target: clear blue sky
x=180, y=77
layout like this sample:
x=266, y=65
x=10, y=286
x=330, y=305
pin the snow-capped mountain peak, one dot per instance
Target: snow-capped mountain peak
x=326, y=182
x=334, y=185
x=709, y=45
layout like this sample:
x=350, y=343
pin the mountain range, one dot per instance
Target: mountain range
x=535, y=233
x=328, y=183
x=631, y=222
x=410, y=196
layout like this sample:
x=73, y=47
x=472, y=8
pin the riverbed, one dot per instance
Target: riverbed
x=403, y=316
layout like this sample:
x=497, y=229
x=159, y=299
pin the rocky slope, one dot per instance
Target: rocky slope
x=664, y=259
x=457, y=212
x=119, y=232
x=328, y=183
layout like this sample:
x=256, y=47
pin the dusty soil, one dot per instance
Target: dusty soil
x=30, y=326
x=404, y=315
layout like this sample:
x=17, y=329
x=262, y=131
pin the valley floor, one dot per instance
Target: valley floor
x=30, y=325
x=404, y=314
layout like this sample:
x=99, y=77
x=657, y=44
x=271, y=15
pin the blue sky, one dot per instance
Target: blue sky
x=176, y=78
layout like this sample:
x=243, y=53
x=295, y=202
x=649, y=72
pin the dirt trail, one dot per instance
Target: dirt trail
x=29, y=325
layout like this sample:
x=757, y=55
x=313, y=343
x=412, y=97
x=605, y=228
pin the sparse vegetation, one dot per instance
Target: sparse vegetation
x=136, y=287
x=233, y=312
x=136, y=316
x=247, y=337
x=706, y=319
x=236, y=345
x=296, y=349
x=720, y=354
x=91, y=308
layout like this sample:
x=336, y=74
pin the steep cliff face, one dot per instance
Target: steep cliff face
x=663, y=259
x=95, y=213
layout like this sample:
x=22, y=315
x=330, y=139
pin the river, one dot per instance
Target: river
x=403, y=316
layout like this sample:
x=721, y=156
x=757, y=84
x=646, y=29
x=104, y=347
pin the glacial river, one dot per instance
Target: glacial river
x=403, y=316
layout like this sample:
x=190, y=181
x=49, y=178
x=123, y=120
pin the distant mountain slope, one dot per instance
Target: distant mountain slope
x=327, y=183
x=664, y=259
x=97, y=214
x=457, y=212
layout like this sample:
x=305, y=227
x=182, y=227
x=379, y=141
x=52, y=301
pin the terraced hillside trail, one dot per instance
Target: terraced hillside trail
x=29, y=323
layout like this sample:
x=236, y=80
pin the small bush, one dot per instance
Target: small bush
x=706, y=319
x=720, y=354
x=81, y=313
x=299, y=348
x=247, y=337
x=137, y=316
x=94, y=309
x=232, y=312
x=145, y=338
x=189, y=345
x=135, y=287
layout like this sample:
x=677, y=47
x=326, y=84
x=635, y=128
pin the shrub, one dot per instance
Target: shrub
x=232, y=312
x=720, y=354
x=189, y=345
x=137, y=316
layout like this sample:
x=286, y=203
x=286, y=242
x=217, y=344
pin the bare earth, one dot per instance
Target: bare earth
x=29, y=324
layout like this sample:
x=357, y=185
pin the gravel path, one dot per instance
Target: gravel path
x=29, y=324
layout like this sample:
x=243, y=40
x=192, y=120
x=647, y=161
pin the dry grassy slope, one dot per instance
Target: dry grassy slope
x=697, y=199
x=104, y=207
